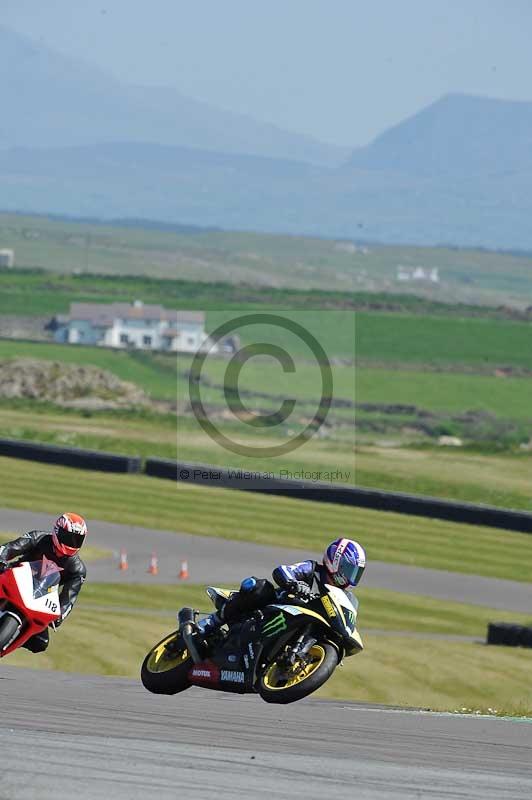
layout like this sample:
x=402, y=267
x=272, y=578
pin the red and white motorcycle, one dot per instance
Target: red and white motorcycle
x=29, y=601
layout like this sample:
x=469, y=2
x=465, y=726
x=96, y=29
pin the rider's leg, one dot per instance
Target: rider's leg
x=254, y=593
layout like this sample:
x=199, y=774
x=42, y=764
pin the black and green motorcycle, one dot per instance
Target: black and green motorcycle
x=284, y=652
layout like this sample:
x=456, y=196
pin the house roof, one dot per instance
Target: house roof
x=104, y=314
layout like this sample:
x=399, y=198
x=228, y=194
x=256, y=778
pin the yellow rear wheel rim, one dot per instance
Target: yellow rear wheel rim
x=276, y=679
x=160, y=660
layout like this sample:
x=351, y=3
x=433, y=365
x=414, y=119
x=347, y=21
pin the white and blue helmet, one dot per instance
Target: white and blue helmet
x=345, y=561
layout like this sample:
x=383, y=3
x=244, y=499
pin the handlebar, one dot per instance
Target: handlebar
x=284, y=594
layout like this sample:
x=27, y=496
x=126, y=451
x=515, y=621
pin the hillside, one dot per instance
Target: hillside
x=247, y=268
x=75, y=141
x=466, y=207
x=457, y=135
x=54, y=100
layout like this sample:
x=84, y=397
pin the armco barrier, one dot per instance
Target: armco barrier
x=69, y=456
x=207, y=475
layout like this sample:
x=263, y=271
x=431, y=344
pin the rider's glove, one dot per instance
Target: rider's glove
x=3, y=565
x=301, y=589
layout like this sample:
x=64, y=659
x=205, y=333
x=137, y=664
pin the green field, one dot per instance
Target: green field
x=434, y=337
x=493, y=479
x=497, y=479
x=281, y=522
x=113, y=626
x=430, y=361
x=161, y=436
x=434, y=340
x=262, y=259
x=162, y=375
x=36, y=292
x=464, y=376
x=440, y=392
x=409, y=406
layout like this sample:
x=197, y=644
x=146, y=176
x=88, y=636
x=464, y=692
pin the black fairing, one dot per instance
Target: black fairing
x=236, y=656
x=254, y=642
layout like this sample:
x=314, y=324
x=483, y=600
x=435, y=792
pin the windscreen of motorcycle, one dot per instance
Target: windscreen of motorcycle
x=45, y=574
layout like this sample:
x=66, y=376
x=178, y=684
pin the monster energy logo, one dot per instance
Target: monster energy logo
x=275, y=625
x=349, y=618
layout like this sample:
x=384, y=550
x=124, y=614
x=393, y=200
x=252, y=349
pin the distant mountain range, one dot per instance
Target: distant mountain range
x=74, y=141
x=457, y=135
x=51, y=100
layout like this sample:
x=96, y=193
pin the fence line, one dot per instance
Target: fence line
x=342, y=494
x=314, y=491
x=69, y=456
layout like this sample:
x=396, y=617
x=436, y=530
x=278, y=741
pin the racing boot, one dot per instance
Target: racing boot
x=207, y=628
x=209, y=624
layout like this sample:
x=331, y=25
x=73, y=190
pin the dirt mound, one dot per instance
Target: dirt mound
x=83, y=386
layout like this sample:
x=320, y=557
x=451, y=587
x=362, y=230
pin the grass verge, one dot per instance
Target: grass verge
x=437, y=675
x=380, y=609
x=282, y=522
x=398, y=670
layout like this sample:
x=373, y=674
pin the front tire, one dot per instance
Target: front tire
x=276, y=685
x=165, y=668
x=9, y=626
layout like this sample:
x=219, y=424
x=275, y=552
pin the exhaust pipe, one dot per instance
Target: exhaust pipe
x=187, y=628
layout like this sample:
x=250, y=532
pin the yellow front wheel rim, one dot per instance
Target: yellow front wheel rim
x=160, y=660
x=276, y=679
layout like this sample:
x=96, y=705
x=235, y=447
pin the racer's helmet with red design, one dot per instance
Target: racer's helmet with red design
x=69, y=534
x=344, y=561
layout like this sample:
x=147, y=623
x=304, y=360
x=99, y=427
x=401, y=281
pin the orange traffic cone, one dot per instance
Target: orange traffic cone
x=153, y=569
x=183, y=572
x=123, y=560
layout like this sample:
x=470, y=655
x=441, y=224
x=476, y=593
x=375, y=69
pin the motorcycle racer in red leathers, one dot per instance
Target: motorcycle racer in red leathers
x=61, y=546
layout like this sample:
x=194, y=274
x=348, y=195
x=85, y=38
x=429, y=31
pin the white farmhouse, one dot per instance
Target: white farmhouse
x=133, y=325
x=417, y=274
x=7, y=258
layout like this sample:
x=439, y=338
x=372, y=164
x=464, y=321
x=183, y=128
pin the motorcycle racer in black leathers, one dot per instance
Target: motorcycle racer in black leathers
x=343, y=565
x=61, y=546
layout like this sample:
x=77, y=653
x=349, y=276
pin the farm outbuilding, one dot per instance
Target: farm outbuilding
x=7, y=258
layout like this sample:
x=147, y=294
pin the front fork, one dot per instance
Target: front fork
x=302, y=646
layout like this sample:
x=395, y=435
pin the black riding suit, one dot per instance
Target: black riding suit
x=32, y=547
x=285, y=576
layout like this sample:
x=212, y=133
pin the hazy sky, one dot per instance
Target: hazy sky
x=341, y=70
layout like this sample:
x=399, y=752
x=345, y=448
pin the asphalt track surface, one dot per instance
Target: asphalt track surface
x=97, y=737
x=92, y=737
x=220, y=561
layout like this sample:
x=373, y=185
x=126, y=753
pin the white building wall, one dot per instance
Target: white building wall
x=138, y=333
x=7, y=258
x=133, y=333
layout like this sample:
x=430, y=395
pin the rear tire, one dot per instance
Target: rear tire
x=298, y=686
x=8, y=628
x=165, y=671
